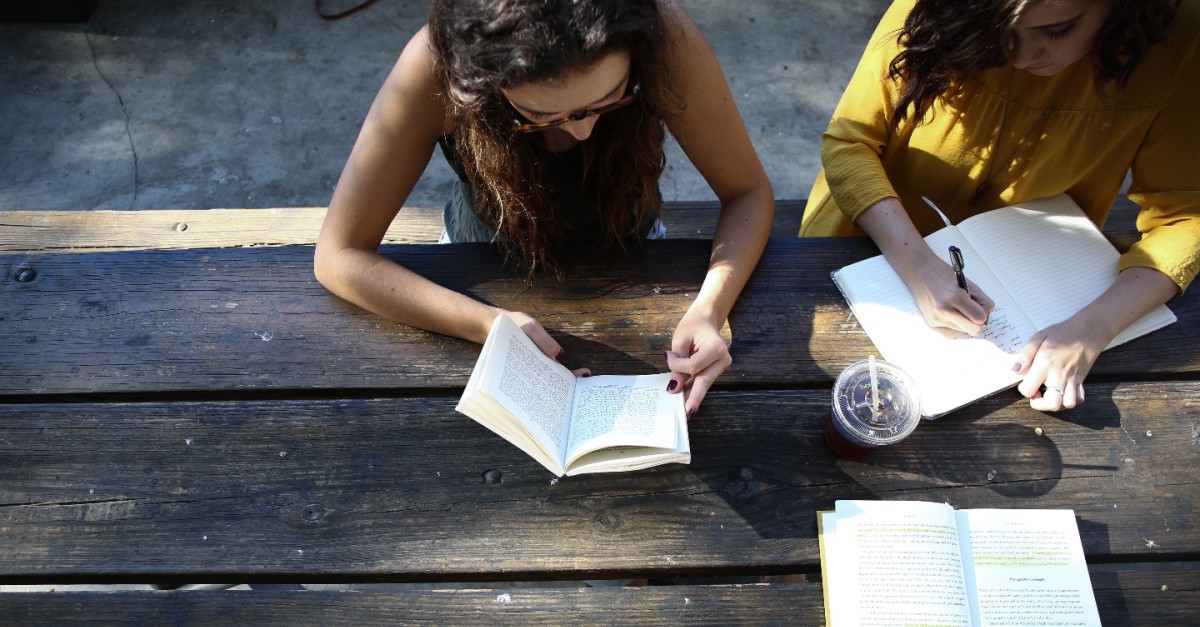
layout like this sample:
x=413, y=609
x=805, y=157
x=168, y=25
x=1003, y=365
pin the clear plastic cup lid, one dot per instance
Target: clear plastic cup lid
x=876, y=421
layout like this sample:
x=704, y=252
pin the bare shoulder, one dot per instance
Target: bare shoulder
x=410, y=90
x=681, y=28
x=708, y=127
x=693, y=66
x=418, y=55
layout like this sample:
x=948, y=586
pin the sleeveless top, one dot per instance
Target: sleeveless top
x=564, y=173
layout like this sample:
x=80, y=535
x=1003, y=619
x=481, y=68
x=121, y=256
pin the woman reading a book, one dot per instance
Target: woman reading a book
x=979, y=105
x=553, y=114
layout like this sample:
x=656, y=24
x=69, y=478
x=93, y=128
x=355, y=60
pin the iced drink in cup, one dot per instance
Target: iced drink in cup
x=869, y=412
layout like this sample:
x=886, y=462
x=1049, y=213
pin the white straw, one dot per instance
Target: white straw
x=935, y=208
x=874, y=385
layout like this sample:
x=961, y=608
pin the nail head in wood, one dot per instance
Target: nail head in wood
x=313, y=513
x=608, y=520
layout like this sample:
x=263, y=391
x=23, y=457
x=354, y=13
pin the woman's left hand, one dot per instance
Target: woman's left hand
x=713, y=136
x=1055, y=362
x=697, y=357
x=1060, y=356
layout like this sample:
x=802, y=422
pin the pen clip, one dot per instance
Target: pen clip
x=956, y=259
x=956, y=262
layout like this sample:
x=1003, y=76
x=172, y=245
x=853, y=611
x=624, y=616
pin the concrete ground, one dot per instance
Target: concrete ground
x=219, y=103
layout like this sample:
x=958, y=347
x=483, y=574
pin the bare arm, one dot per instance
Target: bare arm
x=711, y=133
x=930, y=279
x=393, y=148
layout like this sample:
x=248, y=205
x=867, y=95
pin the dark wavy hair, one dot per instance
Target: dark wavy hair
x=943, y=41
x=482, y=46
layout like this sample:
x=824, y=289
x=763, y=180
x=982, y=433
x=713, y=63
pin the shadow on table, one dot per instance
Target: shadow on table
x=776, y=473
x=1000, y=443
x=1128, y=593
x=1097, y=412
x=764, y=456
x=602, y=358
x=1007, y=458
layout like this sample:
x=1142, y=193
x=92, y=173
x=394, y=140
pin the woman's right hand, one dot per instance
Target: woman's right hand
x=545, y=341
x=943, y=303
x=930, y=279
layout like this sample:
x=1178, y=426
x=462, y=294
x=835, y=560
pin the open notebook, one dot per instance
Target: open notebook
x=1041, y=261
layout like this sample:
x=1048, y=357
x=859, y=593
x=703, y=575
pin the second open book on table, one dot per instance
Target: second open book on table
x=920, y=563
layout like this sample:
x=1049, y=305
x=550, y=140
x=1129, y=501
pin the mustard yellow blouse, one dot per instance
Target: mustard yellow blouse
x=1085, y=148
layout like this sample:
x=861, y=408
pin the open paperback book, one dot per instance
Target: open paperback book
x=1041, y=262
x=918, y=563
x=572, y=425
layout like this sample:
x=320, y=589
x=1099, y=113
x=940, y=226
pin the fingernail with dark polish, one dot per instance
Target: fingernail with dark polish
x=691, y=412
x=672, y=385
x=587, y=374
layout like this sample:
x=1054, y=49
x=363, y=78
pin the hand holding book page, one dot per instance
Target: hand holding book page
x=1015, y=254
x=571, y=425
x=910, y=562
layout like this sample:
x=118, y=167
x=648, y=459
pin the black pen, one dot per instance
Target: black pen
x=956, y=260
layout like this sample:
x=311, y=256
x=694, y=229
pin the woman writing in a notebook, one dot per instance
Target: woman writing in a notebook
x=979, y=105
x=553, y=114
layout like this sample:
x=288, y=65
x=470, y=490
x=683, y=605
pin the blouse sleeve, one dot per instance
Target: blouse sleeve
x=1166, y=184
x=861, y=124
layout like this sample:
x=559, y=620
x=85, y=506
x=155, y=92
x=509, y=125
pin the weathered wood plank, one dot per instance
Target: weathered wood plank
x=1137, y=598
x=97, y=231
x=221, y=320
x=1147, y=594
x=657, y=605
x=393, y=489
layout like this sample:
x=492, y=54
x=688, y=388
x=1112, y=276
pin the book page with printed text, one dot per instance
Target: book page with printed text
x=623, y=410
x=891, y=563
x=1026, y=567
x=521, y=394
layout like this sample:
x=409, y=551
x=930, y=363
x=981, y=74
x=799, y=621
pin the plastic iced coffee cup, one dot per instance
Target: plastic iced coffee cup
x=867, y=415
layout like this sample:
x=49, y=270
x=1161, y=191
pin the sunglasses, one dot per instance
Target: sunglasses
x=530, y=127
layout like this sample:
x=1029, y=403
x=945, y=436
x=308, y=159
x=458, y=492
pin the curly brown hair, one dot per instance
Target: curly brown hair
x=943, y=41
x=483, y=46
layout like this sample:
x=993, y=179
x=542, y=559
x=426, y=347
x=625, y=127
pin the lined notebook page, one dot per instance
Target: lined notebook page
x=1008, y=327
x=1052, y=259
x=950, y=369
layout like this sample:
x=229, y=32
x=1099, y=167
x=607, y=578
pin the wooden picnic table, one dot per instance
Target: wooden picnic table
x=215, y=415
